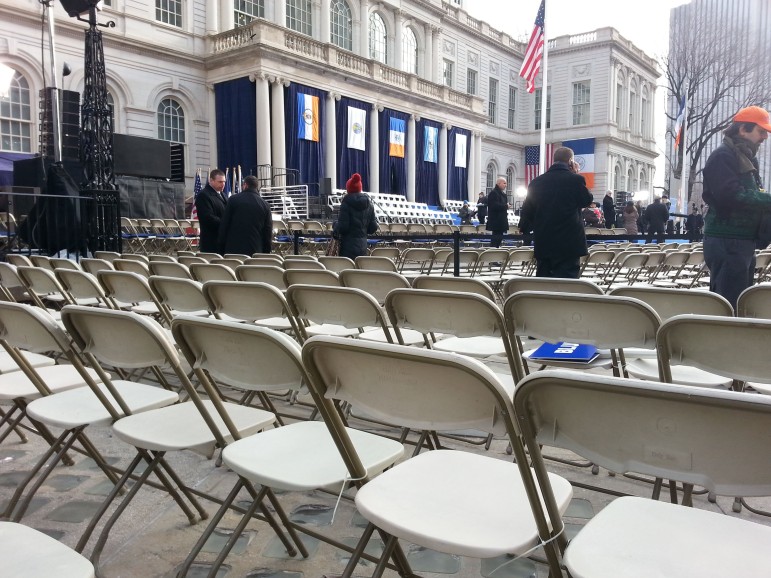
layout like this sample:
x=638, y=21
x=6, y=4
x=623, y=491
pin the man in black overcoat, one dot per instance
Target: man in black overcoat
x=497, y=212
x=552, y=212
x=210, y=205
x=247, y=226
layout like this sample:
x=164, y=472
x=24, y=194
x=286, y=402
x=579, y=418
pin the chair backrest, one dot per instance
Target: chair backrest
x=311, y=277
x=155, y=258
x=733, y=347
x=190, y=259
x=755, y=302
x=306, y=264
x=135, y=257
x=203, y=272
x=60, y=263
x=516, y=284
x=670, y=302
x=299, y=258
x=41, y=261
x=269, y=274
x=18, y=260
x=107, y=255
x=390, y=252
x=237, y=256
x=41, y=283
x=346, y=306
x=375, y=263
x=337, y=264
x=260, y=259
x=692, y=435
x=230, y=263
x=9, y=279
x=95, y=265
x=82, y=285
x=169, y=269
x=133, y=266
x=209, y=256
x=247, y=301
x=376, y=283
x=447, y=283
x=179, y=295
x=417, y=259
x=127, y=287
x=577, y=318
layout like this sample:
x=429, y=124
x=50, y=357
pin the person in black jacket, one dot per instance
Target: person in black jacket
x=482, y=208
x=552, y=212
x=657, y=216
x=247, y=226
x=609, y=210
x=210, y=205
x=357, y=220
x=497, y=212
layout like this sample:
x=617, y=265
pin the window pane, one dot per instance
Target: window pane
x=448, y=73
x=512, y=107
x=377, y=38
x=171, y=121
x=340, y=24
x=15, y=117
x=492, y=103
x=298, y=16
x=580, y=103
x=409, y=51
x=169, y=12
x=247, y=10
x=471, y=81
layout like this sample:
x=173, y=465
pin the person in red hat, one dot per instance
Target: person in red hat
x=357, y=220
x=735, y=222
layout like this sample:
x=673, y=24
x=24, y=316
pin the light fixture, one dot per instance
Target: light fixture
x=521, y=192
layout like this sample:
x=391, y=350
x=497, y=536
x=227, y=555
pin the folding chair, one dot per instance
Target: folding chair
x=266, y=361
x=133, y=266
x=270, y=274
x=494, y=503
x=27, y=553
x=337, y=264
x=550, y=284
x=693, y=435
x=84, y=288
x=179, y=296
x=131, y=291
x=376, y=263
x=203, y=272
x=169, y=269
x=252, y=302
x=93, y=266
x=376, y=283
x=306, y=264
x=754, y=302
x=462, y=284
x=265, y=259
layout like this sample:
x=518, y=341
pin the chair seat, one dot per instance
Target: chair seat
x=302, y=456
x=482, y=346
x=7, y=364
x=181, y=426
x=27, y=553
x=80, y=406
x=456, y=502
x=58, y=378
x=277, y=323
x=331, y=329
x=410, y=336
x=648, y=369
x=625, y=541
x=764, y=388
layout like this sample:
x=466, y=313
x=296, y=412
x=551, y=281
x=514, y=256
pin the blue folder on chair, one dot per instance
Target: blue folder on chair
x=564, y=351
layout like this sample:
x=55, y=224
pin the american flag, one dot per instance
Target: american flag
x=534, y=51
x=532, y=161
x=197, y=188
x=226, y=190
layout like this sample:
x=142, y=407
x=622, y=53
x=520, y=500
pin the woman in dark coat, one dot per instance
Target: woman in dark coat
x=357, y=220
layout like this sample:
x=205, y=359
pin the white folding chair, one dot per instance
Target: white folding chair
x=27, y=553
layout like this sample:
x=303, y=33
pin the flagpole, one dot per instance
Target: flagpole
x=686, y=168
x=542, y=152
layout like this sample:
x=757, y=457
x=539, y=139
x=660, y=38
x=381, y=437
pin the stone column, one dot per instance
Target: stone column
x=428, y=55
x=279, y=12
x=364, y=29
x=443, y=164
x=398, y=20
x=330, y=142
x=374, y=149
x=436, y=39
x=212, y=17
x=324, y=22
x=477, y=150
x=227, y=18
x=410, y=158
x=212, y=106
x=263, y=120
x=278, y=135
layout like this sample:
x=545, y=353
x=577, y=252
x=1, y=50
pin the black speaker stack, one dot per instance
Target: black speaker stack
x=69, y=109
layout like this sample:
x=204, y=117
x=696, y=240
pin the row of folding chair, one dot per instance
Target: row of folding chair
x=159, y=235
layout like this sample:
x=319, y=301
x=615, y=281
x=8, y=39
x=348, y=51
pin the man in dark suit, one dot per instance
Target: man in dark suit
x=247, y=226
x=552, y=212
x=497, y=212
x=210, y=205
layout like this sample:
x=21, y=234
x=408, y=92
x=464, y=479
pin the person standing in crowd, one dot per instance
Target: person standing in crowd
x=465, y=214
x=609, y=210
x=670, y=224
x=737, y=201
x=642, y=224
x=552, y=212
x=210, y=204
x=357, y=220
x=482, y=208
x=657, y=215
x=497, y=212
x=630, y=216
x=592, y=216
x=694, y=223
x=247, y=226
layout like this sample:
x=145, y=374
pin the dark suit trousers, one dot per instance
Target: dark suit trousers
x=562, y=268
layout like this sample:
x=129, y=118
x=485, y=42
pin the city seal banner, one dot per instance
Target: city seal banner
x=308, y=117
x=584, y=155
x=357, y=126
x=430, y=144
x=460, y=150
x=396, y=147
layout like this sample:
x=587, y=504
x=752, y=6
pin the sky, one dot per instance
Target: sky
x=645, y=24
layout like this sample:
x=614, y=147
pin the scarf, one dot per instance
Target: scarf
x=745, y=151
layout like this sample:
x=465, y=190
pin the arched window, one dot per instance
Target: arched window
x=171, y=121
x=340, y=24
x=247, y=10
x=378, y=36
x=491, y=172
x=409, y=51
x=631, y=185
x=509, y=182
x=16, y=115
x=618, y=180
x=298, y=16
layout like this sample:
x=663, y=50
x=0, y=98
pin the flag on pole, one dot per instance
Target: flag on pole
x=533, y=159
x=679, y=122
x=396, y=138
x=460, y=150
x=357, y=127
x=197, y=188
x=226, y=191
x=236, y=182
x=534, y=51
x=431, y=144
x=308, y=117
x=583, y=149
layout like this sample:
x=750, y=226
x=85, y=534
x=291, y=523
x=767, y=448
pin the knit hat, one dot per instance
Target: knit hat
x=354, y=184
x=754, y=114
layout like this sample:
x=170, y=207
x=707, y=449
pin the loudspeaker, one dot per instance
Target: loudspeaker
x=177, y=162
x=325, y=189
x=69, y=113
x=32, y=173
x=76, y=7
x=142, y=157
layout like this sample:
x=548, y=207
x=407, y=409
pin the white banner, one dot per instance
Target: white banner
x=460, y=150
x=357, y=128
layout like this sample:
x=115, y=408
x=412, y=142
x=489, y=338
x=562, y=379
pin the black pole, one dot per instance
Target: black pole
x=456, y=253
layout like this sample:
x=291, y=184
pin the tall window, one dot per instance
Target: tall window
x=298, y=16
x=644, y=115
x=378, y=37
x=340, y=24
x=618, y=179
x=512, y=108
x=447, y=72
x=471, y=81
x=632, y=111
x=169, y=12
x=537, y=112
x=492, y=101
x=619, y=104
x=632, y=188
x=490, y=178
x=509, y=182
x=171, y=121
x=16, y=117
x=247, y=10
x=581, y=98
x=409, y=51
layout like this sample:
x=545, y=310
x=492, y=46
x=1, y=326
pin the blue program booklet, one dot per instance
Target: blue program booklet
x=564, y=352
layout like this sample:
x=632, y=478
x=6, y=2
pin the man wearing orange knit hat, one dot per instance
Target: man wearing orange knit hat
x=357, y=220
